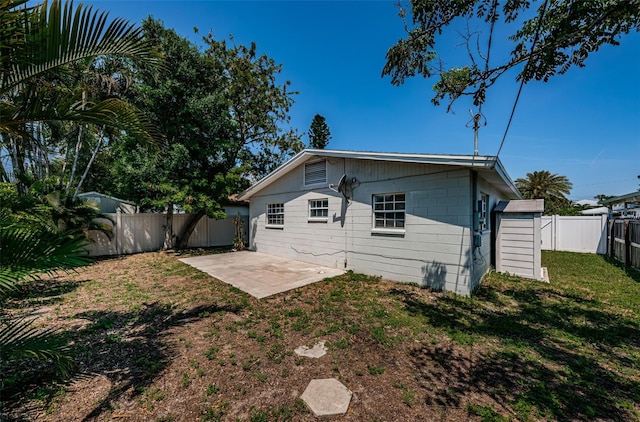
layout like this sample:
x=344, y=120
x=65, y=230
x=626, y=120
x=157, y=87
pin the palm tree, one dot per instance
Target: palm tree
x=27, y=252
x=36, y=46
x=553, y=188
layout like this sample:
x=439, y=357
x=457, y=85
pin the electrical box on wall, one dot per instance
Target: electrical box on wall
x=477, y=240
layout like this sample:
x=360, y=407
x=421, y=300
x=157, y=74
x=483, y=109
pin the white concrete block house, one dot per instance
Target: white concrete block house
x=407, y=217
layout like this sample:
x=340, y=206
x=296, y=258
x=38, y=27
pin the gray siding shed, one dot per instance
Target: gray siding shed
x=518, y=238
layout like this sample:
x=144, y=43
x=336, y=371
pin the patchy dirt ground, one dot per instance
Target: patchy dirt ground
x=155, y=340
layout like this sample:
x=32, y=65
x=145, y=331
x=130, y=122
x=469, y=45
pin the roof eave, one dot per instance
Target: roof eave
x=633, y=196
x=470, y=161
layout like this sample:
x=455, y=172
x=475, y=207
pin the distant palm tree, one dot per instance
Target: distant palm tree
x=553, y=188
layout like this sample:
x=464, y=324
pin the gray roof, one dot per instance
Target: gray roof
x=94, y=194
x=489, y=166
x=633, y=197
x=523, y=205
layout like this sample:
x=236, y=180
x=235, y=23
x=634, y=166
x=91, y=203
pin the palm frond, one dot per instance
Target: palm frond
x=26, y=252
x=112, y=112
x=20, y=339
x=57, y=34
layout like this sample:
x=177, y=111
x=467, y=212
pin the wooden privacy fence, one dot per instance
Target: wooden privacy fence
x=624, y=241
x=574, y=234
x=133, y=233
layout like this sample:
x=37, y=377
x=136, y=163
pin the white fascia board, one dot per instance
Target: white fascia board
x=505, y=177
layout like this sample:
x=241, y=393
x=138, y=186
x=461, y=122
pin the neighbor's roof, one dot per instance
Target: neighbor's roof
x=93, y=193
x=630, y=197
x=233, y=200
x=595, y=211
x=490, y=167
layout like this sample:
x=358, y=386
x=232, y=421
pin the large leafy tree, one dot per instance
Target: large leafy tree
x=185, y=102
x=551, y=187
x=258, y=104
x=546, y=38
x=222, y=113
x=319, y=133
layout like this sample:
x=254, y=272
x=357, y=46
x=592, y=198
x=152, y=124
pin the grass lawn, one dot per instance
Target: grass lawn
x=155, y=340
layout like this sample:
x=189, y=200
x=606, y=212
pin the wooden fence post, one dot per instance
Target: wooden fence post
x=627, y=243
x=612, y=238
x=119, y=232
x=554, y=232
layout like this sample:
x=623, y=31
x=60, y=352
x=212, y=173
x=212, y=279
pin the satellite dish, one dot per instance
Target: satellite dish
x=341, y=187
x=342, y=183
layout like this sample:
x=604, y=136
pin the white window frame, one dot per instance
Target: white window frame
x=319, y=209
x=274, y=214
x=387, y=207
x=483, y=212
x=315, y=170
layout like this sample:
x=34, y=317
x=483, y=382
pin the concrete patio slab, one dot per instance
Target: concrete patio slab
x=327, y=397
x=259, y=274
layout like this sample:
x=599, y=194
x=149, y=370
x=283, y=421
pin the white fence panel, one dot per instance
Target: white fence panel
x=100, y=243
x=547, y=232
x=133, y=233
x=140, y=232
x=575, y=234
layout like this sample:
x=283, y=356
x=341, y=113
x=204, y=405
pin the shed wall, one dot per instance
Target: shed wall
x=433, y=250
x=518, y=244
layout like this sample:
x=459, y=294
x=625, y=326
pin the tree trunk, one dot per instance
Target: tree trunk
x=17, y=164
x=93, y=157
x=168, y=229
x=75, y=161
x=183, y=239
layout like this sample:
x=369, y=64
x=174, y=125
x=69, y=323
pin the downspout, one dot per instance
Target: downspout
x=344, y=219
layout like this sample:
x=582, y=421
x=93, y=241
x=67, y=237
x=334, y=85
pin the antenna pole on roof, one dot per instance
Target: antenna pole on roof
x=476, y=119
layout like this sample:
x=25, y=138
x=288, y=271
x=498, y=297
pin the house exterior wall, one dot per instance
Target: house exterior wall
x=481, y=256
x=435, y=248
x=233, y=210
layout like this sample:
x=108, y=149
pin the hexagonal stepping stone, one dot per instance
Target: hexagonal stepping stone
x=317, y=351
x=327, y=397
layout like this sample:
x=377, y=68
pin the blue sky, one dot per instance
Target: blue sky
x=584, y=124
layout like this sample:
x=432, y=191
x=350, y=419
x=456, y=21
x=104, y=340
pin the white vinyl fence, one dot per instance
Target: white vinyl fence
x=575, y=234
x=133, y=233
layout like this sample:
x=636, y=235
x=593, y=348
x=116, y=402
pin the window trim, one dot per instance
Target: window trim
x=389, y=230
x=322, y=218
x=274, y=209
x=304, y=176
